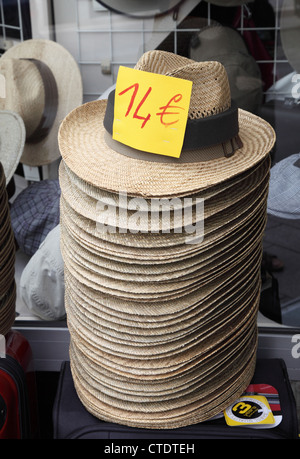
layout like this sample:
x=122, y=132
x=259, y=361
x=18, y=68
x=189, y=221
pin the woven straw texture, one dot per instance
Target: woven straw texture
x=162, y=318
x=12, y=135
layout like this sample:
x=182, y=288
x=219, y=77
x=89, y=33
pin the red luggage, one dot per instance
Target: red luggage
x=18, y=396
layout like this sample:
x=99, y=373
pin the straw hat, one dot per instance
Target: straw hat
x=89, y=206
x=89, y=151
x=7, y=260
x=12, y=139
x=34, y=213
x=163, y=331
x=43, y=84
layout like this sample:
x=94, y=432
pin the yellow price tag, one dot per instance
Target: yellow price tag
x=151, y=111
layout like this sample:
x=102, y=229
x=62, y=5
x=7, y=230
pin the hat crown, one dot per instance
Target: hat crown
x=210, y=92
x=25, y=91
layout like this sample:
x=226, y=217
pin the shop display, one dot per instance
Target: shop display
x=12, y=138
x=7, y=264
x=163, y=325
x=43, y=84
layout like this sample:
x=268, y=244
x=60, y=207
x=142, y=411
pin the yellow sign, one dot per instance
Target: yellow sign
x=251, y=410
x=151, y=111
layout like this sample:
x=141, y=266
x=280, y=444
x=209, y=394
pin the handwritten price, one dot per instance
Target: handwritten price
x=177, y=98
x=151, y=110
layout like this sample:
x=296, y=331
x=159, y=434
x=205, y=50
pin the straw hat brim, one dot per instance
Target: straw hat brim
x=85, y=151
x=70, y=93
x=12, y=140
x=157, y=313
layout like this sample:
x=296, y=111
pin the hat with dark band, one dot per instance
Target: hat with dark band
x=43, y=84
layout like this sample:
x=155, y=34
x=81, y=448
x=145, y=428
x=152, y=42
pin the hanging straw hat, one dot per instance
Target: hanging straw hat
x=43, y=84
x=290, y=31
x=12, y=139
x=90, y=152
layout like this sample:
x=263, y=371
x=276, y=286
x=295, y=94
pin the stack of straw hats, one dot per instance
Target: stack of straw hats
x=163, y=320
x=12, y=139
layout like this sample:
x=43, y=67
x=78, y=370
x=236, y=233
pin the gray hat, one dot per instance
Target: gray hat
x=225, y=45
x=42, y=285
x=284, y=191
